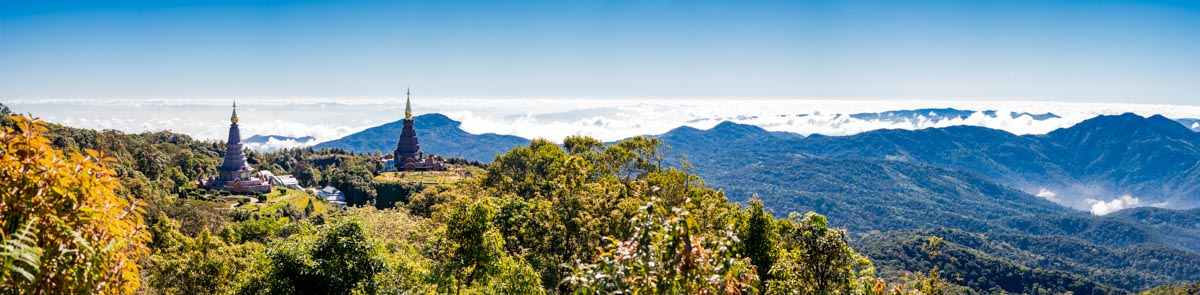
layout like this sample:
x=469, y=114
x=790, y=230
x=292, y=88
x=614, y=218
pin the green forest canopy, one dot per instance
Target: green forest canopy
x=582, y=217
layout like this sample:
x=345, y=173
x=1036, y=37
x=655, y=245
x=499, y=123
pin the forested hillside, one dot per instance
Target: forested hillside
x=898, y=195
x=571, y=217
x=584, y=218
x=1033, y=259
x=975, y=269
x=898, y=180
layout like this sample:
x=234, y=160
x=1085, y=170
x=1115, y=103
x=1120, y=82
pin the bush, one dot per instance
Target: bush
x=66, y=209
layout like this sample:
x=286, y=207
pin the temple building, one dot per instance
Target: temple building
x=234, y=175
x=408, y=151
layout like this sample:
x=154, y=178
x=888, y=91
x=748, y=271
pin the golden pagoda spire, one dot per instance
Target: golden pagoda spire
x=234, y=118
x=408, y=104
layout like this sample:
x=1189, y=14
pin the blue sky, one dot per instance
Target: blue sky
x=1110, y=51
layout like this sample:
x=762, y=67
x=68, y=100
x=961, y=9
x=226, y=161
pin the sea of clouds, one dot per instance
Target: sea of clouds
x=555, y=119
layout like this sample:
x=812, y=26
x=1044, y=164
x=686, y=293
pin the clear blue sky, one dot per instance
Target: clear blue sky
x=1130, y=51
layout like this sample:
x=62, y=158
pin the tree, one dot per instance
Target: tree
x=933, y=284
x=814, y=258
x=180, y=181
x=759, y=236
x=339, y=258
x=260, y=230
x=582, y=145
x=306, y=175
x=635, y=157
x=472, y=258
x=204, y=265
x=5, y=118
x=355, y=181
x=667, y=255
x=151, y=162
x=527, y=171
x=91, y=238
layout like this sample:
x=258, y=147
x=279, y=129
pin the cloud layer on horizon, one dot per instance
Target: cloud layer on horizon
x=555, y=119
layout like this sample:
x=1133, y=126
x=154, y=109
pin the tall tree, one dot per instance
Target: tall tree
x=759, y=236
x=815, y=259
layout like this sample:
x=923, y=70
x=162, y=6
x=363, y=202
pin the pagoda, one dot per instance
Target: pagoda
x=234, y=174
x=408, y=151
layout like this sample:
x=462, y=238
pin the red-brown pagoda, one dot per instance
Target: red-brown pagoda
x=408, y=151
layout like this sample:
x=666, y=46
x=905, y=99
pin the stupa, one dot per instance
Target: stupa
x=234, y=174
x=409, y=156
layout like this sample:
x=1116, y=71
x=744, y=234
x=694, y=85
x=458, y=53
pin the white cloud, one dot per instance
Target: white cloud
x=1048, y=195
x=554, y=119
x=1099, y=207
x=273, y=144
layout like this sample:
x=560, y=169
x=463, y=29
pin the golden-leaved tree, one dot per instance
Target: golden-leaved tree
x=64, y=229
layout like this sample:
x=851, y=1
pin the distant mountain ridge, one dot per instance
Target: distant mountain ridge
x=1190, y=123
x=943, y=114
x=1154, y=159
x=914, y=117
x=437, y=134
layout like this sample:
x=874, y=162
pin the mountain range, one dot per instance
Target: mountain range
x=1100, y=165
x=892, y=190
x=438, y=135
x=1154, y=160
x=1017, y=203
x=943, y=114
x=889, y=186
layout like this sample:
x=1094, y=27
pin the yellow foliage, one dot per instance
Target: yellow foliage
x=91, y=237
